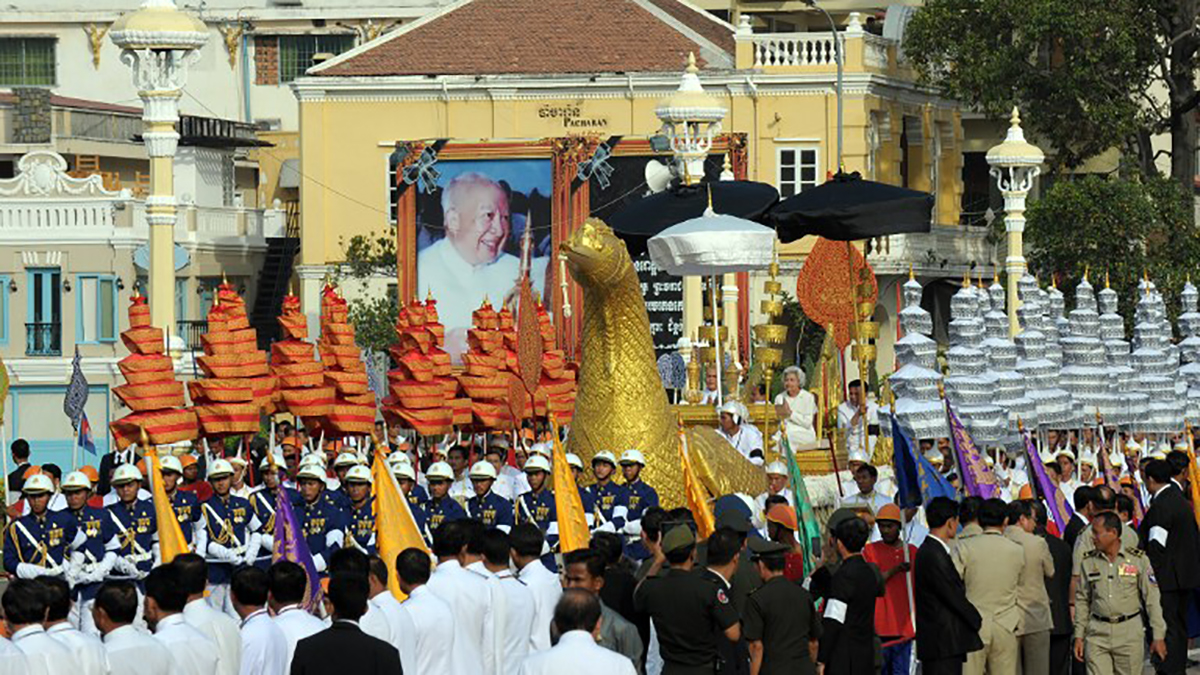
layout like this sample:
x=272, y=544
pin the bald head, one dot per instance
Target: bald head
x=577, y=609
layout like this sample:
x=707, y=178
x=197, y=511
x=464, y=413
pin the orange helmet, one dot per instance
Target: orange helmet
x=187, y=460
x=1026, y=492
x=90, y=471
x=31, y=472
x=783, y=515
x=141, y=466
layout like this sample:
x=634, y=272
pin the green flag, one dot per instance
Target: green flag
x=806, y=518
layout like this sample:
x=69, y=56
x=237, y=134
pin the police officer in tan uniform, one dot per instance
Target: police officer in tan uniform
x=1115, y=584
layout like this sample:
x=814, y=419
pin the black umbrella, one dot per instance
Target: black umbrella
x=847, y=208
x=640, y=220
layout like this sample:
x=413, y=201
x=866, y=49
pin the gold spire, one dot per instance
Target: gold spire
x=966, y=282
x=1106, y=285
x=691, y=66
x=710, y=207
x=1086, y=269
x=911, y=275
x=223, y=279
x=429, y=294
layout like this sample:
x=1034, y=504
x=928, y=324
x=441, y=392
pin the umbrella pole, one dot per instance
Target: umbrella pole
x=718, y=357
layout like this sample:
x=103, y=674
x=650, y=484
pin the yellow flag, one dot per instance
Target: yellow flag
x=3, y=389
x=170, y=538
x=395, y=527
x=572, y=522
x=1193, y=473
x=697, y=498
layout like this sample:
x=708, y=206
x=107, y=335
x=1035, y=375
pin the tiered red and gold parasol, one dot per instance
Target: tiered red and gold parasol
x=238, y=387
x=353, y=409
x=422, y=394
x=300, y=379
x=151, y=391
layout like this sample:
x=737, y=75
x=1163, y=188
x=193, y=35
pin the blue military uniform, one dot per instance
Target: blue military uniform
x=641, y=497
x=492, y=509
x=541, y=510
x=97, y=529
x=417, y=496
x=135, y=530
x=41, y=541
x=323, y=525
x=231, y=524
x=360, y=532
x=610, y=503
x=442, y=510
x=187, y=512
x=262, y=502
x=338, y=497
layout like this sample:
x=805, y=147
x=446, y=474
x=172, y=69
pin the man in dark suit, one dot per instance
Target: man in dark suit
x=1170, y=538
x=947, y=623
x=848, y=622
x=1059, y=590
x=1082, y=519
x=109, y=463
x=343, y=647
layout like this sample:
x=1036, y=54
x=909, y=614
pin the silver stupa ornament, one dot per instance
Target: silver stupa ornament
x=1156, y=362
x=1189, y=350
x=1085, y=369
x=1041, y=375
x=1131, y=405
x=969, y=387
x=915, y=382
x=1008, y=384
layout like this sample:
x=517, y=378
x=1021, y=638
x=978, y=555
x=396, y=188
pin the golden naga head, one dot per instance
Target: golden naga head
x=595, y=254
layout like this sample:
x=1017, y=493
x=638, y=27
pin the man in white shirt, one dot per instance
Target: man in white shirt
x=741, y=434
x=24, y=605
x=88, y=649
x=217, y=626
x=264, y=648
x=433, y=618
x=517, y=599
x=288, y=582
x=577, y=618
x=461, y=489
x=867, y=497
x=129, y=651
x=850, y=420
x=526, y=541
x=11, y=658
x=470, y=263
x=191, y=652
x=777, y=484
x=353, y=561
x=505, y=485
x=401, y=628
x=467, y=594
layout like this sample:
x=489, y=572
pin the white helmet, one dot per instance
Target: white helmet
x=238, y=460
x=483, y=471
x=573, y=460
x=542, y=449
x=346, y=459
x=280, y=462
x=604, y=456
x=732, y=408
x=37, y=484
x=633, y=457
x=537, y=463
x=399, y=458
x=313, y=458
x=777, y=468
x=126, y=473
x=170, y=463
x=358, y=474
x=1065, y=451
x=440, y=471
x=220, y=468
x=76, y=480
x=401, y=470
x=311, y=471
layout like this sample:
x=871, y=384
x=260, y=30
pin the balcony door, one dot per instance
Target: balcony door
x=44, y=327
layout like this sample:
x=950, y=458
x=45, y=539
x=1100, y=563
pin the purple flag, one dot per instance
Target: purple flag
x=1056, y=503
x=291, y=546
x=978, y=479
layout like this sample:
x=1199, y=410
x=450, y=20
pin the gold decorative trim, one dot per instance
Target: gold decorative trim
x=231, y=34
x=96, y=35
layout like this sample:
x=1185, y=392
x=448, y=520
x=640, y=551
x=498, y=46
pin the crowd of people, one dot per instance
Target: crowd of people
x=966, y=585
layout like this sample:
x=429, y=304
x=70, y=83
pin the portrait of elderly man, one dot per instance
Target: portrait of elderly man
x=478, y=255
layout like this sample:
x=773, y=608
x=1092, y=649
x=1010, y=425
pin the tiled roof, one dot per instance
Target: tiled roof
x=501, y=37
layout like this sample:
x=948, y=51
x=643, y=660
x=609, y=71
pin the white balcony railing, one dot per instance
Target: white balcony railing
x=946, y=250
x=794, y=49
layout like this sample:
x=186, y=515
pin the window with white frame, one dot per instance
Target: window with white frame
x=797, y=170
x=97, y=308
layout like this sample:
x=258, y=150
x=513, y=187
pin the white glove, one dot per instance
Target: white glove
x=125, y=568
x=268, y=544
x=633, y=528
x=319, y=562
x=30, y=571
x=221, y=553
x=607, y=527
x=248, y=558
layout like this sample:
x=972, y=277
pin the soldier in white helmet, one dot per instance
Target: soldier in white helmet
x=234, y=534
x=185, y=504
x=94, y=562
x=743, y=436
x=485, y=505
x=777, y=484
x=640, y=497
x=41, y=543
x=135, y=528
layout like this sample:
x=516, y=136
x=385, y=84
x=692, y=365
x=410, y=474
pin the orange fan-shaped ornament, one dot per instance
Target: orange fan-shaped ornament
x=825, y=286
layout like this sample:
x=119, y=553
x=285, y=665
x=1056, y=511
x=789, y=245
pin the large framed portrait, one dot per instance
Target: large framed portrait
x=486, y=223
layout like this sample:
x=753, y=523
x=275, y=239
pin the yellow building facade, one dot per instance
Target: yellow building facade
x=779, y=91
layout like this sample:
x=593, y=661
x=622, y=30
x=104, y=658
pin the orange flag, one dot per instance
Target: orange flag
x=1193, y=473
x=395, y=527
x=170, y=538
x=697, y=498
x=572, y=520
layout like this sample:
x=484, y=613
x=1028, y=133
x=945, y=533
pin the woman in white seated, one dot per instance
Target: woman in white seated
x=798, y=408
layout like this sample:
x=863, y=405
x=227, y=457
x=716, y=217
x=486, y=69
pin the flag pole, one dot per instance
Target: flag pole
x=908, y=580
x=4, y=451
x=75, y=449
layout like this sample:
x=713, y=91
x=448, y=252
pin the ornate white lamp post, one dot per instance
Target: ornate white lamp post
x=159, y=42
x=1015, y=163
x=691, y=118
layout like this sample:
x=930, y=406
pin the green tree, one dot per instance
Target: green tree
x=1120, y=228
x=1084, y=73
x=374, y=319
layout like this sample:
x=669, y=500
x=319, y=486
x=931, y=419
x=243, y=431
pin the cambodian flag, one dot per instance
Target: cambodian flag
x=85, y=435
x=291, y=546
